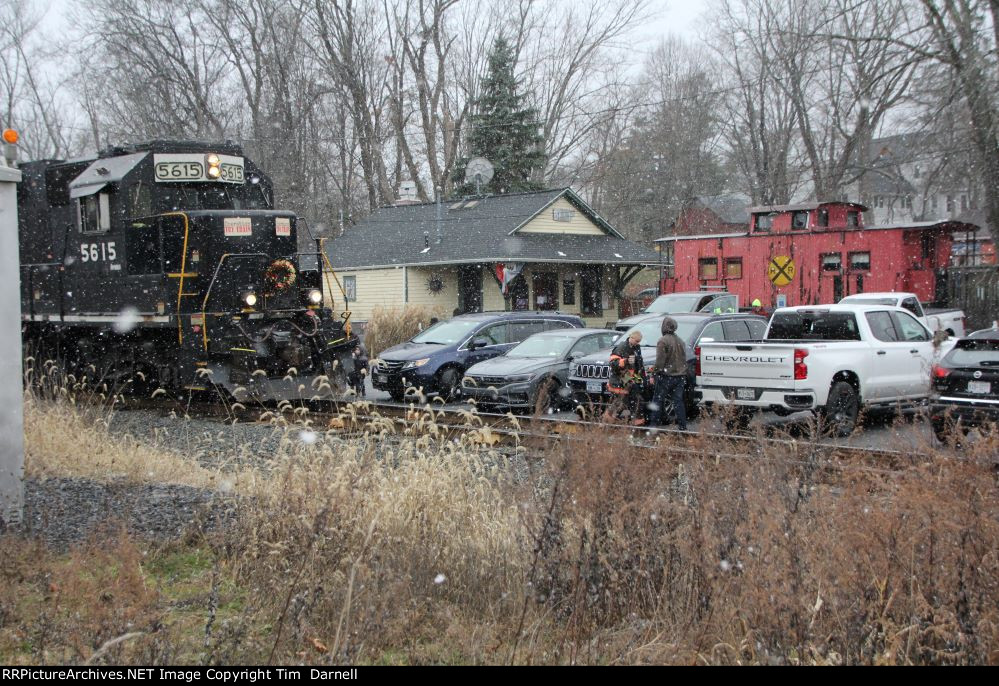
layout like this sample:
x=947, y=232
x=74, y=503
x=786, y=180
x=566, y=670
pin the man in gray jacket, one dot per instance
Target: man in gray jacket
x=670, y=376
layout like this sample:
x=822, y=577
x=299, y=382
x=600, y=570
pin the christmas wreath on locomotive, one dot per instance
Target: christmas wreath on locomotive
x=167, y=258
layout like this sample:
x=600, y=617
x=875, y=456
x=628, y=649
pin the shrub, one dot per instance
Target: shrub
x=392, y=326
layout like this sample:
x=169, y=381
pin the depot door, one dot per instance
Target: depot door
x=470, y=289
x=546, y=291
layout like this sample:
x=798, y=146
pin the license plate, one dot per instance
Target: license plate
x=594, y=387
x=979, y=387
x=746, y=394
x=381, y=378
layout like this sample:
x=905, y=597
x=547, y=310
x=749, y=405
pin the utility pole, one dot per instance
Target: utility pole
x=11, y=395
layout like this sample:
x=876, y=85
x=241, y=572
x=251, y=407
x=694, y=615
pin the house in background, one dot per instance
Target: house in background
x=453, y=256
x=711, y=214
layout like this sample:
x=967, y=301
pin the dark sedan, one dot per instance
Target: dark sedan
x=588, y=376
x=966, y=385
x=538, y=367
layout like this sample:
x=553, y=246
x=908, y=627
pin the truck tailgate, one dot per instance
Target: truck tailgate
x=769, y=365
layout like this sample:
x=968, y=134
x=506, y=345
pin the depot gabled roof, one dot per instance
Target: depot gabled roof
x=481, y=229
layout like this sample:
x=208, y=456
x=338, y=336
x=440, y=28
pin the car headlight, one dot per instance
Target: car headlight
x=520, y=378
x=314, y=296
x=572, y=368
x=413, y=364
x=249, y=298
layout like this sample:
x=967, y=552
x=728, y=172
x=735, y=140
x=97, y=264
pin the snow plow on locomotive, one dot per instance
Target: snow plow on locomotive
x=166, y=261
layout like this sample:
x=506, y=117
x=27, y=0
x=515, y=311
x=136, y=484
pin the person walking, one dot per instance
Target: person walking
x=670, y=374
x=627, y=379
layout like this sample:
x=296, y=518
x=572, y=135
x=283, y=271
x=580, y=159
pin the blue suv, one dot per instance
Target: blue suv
x=436, y=359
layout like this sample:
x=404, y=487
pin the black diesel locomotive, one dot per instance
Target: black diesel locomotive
x=167, y=258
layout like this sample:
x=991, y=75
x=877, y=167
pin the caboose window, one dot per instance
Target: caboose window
x=799, y=220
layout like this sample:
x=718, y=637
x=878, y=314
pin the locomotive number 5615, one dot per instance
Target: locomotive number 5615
x=97, y=252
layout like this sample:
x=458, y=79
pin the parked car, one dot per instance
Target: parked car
x=588, y=375
x=949, y=320
x=831, y=359
x=986, y=333
x=691, y=301
x=436, y=359
x=966, y=386
x=539, y=365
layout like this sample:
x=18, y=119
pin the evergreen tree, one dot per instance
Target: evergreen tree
x=504, y=131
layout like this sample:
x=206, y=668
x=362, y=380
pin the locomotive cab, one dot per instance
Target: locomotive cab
x=171, y=255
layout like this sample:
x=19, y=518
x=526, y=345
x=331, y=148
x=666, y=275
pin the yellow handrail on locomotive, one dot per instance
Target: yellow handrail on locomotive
x=183, y=272
x=343, y=292
x=211, y=285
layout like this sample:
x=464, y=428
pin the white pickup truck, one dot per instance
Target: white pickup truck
x=950, y=320
x=831, y=359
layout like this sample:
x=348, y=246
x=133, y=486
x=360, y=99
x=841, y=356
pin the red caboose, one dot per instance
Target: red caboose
x=813, y=253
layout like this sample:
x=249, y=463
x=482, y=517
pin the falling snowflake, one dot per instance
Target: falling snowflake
x=439, y=579
x=126, y=320
x=725, y=565
x=307, y=437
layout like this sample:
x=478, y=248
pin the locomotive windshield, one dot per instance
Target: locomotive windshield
x=210, y=196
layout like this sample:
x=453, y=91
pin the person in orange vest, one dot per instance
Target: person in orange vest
x=627, y=380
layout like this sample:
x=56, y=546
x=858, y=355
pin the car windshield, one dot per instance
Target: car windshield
x=652, y=330
x=665, y=304
x=543, y=346
x=980, y=352
x=446, y=333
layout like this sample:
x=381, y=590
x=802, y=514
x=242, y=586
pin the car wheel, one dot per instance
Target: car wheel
x=841, y=410
x=449, y=384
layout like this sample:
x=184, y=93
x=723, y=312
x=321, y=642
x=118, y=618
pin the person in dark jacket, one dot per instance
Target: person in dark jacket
x=627, y=380
x=670, y=374
x=356, y=376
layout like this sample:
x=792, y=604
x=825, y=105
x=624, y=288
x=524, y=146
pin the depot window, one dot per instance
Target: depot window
x=733, y=267
x=832, y=262
x=707, y=268
x=860, y=261
x=569, y=292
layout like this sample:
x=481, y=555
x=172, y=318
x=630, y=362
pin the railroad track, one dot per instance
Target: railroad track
x=541, y=434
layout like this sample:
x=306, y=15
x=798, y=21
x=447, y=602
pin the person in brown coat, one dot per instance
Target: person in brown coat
x=670, y=373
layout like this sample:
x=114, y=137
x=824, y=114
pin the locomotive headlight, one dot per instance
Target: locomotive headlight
x=249, y=298
x=213, y=162
x=314, y=296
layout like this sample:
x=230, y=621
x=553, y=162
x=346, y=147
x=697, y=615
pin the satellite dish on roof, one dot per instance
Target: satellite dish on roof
x=479, y=170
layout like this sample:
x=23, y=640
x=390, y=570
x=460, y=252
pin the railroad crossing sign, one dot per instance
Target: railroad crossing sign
x=780, y=270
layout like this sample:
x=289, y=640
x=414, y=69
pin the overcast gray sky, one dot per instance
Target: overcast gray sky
x=670, y=16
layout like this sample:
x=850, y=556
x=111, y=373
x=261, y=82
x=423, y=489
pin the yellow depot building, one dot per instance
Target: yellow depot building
x=552, y=250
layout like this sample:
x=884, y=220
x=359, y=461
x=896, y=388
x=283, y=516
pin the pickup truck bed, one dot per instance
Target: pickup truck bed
x=847, y=357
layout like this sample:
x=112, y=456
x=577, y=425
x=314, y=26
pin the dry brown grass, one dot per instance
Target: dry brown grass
x=396, y=549
x=392, y=326
x=62, y=439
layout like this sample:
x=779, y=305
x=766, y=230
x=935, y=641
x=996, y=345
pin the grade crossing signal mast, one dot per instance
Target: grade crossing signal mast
x=11, y=399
